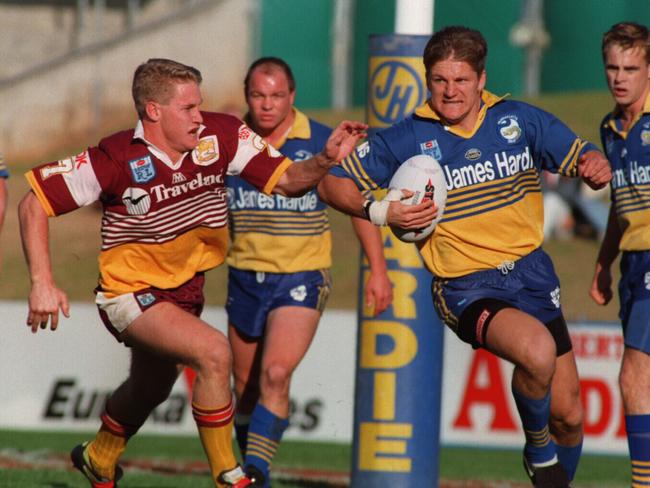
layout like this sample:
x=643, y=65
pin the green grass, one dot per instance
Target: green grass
x=455, y=463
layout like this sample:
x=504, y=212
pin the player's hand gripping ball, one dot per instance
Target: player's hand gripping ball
x=423, y=176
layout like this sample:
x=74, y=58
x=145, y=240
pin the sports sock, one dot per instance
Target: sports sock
x=105, y=450
x=534, y=414
x=638, y=441
x=242, y=423
x=215, y=430
x=569, y=458
x=264, y=435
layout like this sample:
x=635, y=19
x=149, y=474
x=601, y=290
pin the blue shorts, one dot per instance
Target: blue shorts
x=634, y=295
x=528, y=284
x=252, y=295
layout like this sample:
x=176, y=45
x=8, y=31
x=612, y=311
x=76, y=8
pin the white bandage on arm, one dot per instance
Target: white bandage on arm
x=377, y=211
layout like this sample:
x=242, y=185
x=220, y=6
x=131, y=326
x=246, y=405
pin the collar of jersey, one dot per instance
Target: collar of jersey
x=489, y=99
x=613, y=119
x=299, y=129
x=159, y=153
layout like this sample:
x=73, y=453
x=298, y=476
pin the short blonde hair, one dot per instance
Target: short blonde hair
x=155, y=79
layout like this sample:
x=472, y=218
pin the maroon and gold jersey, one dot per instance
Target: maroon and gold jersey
x=163, y=221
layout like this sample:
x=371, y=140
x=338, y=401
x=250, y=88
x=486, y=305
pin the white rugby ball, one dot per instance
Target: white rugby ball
x=423, y=176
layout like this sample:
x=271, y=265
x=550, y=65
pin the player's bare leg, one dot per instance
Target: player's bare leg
x=180, y=337
x=289, y=332
x=247, y=359
x=524, y=341
x=566, y=412
x=634, y=382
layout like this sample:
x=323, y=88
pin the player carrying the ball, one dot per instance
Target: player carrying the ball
x=493, y=285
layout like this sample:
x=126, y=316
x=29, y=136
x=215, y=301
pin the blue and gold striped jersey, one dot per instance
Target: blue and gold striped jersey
x=629, y=155
x=494, y=203
x=276, y=234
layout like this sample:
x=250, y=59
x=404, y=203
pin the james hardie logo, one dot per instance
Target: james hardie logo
x=397, y=90
x=509, y=128
x=206, y=151
x=136, y=200
x=299, y=293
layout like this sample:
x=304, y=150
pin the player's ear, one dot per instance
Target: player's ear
x=482, y=80
x=152, y=109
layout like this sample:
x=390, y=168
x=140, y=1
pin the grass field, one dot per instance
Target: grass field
x=39, y=460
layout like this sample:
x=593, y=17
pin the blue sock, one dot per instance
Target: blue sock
x=264, y=434
x=242, y=422
x=569, y=457
x=638, y=441
x=534, y=414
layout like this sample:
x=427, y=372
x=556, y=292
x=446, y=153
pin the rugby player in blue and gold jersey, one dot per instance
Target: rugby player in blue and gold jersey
x=493, y=284
x=625, y=135
x=278, y=269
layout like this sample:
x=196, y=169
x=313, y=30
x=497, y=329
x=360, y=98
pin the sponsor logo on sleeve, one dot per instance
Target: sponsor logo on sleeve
x=142, y=169
x=509, y=128
x=363, y=149
x=65, y=165
x=431, y=148
x=206, y=151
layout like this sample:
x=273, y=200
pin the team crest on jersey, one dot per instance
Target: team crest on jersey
x=646, y=280
x=509, y=128
x=431, y=148
x=136, y=201
x=206, y=151
x=142, y=169
x=645, y=137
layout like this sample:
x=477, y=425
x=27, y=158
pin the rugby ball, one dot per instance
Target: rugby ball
x=423, y=176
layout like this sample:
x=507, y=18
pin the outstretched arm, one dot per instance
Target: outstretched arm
x=342, y=194
x=45, y=299
x=302, y=177
x=378, y=289
x=601, y=285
